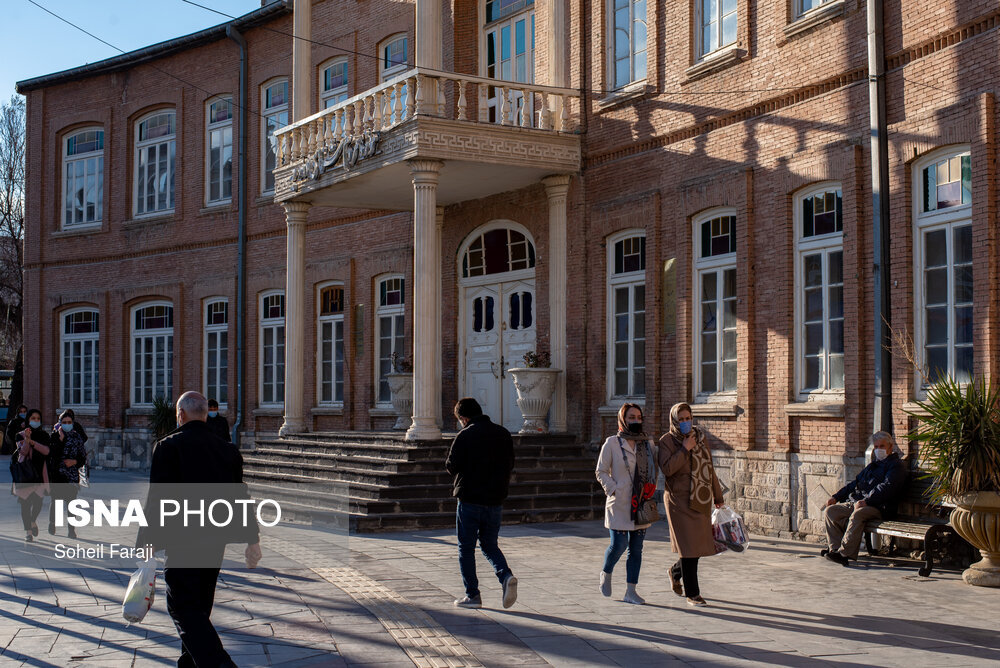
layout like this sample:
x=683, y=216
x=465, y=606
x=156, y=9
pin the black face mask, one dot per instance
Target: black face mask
x=634, y=427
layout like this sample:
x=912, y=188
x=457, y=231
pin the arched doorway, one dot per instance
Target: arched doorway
x=496, y=276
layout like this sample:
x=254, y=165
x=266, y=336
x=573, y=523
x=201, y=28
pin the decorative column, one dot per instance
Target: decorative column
x=557, y=188
x=295, y=294
x=426, y=300
x=556, y=45
x=428, y=48
x=301, y=59
x=439, y=220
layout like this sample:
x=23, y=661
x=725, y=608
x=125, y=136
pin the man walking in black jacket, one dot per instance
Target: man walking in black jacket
x=872, y=495
x=481, y=459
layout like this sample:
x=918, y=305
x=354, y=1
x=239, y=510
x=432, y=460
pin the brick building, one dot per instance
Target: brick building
x=673, y=198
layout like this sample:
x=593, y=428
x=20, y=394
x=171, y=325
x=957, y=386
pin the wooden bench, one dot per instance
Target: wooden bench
x=929, y=530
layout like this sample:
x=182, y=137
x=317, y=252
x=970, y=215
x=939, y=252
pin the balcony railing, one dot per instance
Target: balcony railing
x=406, y=96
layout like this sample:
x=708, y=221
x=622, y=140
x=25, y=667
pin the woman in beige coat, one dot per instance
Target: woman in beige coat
x=691, y=488
x=626, y=469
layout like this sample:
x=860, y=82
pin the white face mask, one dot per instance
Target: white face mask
x=881, y=454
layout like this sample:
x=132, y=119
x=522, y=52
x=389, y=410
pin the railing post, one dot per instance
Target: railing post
x=463, y=104
x=358, y=128
x=525, y=102
x=419, y=95
x=377, y=118
x=545, y=117
x=439, y=84
x=505, y=109
x=483, y=92
x=411, y=97
x=295, y=144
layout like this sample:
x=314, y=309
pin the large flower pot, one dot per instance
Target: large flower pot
x=401, y=387
x=977, y=520
x=534, y=396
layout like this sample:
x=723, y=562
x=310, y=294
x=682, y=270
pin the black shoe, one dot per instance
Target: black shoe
x=824, y=552
x=837, y=558
x=34, y=529
x=52, y=528
x=72, y=533
x=28, y=538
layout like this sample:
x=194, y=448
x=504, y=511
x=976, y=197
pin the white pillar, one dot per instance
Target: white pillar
x=295, y=296
x=301, y=59
x=428, y=48
x=426, y=300
x=556, y=188
x=556, y=44
x=439, y=220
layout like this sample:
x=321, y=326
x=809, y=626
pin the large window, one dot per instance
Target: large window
x=803, y=6
x=393, y=62
x=391, y=295
x=155, y=155
x=628, y=40
x=219, y=152
x=217, y=350
x=819, y=294
x=334, y=83
x=80, y=375
x=83, y=176
x=152, y=353
x=331, y=345
x=272, y=349
x=627, y=315
x=944, y=276
x=510, y=53
x=274, y=117
x=717, y=22
x=715, y=286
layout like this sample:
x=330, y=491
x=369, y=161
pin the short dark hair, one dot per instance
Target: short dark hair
x=212, y=403
x=468, y=408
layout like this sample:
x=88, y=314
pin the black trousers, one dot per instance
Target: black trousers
x=687, y=570
x=190, y=596
x=66, y=491
x=30, y=508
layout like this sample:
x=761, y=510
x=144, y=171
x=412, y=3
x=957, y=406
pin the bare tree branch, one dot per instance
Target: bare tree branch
x=12, y=178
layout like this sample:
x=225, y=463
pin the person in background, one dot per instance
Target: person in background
x=33, y=447
x=16, y=424
x=626, y=469
x=77, y=427
x=217, y=424
x=691, y=488
x=66, y=455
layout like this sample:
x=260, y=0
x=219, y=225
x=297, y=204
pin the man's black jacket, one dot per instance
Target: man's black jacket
x=219, y=426
x=481, y=459
x=879, y=484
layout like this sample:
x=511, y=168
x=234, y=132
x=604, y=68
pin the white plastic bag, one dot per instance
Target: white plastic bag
x=728, y=530
x=140, y=592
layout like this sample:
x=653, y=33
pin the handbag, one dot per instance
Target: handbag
x=24, y=472
x=140, y=592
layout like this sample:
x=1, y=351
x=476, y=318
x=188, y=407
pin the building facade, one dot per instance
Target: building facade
x=674, y=199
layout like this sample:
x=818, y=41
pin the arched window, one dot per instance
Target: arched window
x=819, y=291
x=334, y=82
x=272, y=348
x=217, y=350
x=83, y=178
x=219, y=152
x=496, y=251
x=80, y=358
x=715, y=292
x=943, y=281
x=274, y=103
x=152, y=353
x=330, y=338
x=155, y=157
x=391, y=296
x=626, y=290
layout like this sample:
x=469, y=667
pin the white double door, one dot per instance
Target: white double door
x=499, y=328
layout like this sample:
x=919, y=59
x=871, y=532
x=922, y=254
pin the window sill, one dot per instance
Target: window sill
x=327, y=410
x=381, y=411
x=139, y=410
x=715, y=61
x=816, y=409
x=152, y=219
x=913, y=408
x=264, y=200
x=268, y=411
x=79, y=231
x=715, y=409
x=611, y=408
x=632, y=91
x=90, y=411
x=813, y=18
x=217, y=207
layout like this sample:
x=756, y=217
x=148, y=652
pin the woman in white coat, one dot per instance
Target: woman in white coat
x=626, y=469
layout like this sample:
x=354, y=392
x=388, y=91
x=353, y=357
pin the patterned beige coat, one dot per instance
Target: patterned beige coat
x=690, y=530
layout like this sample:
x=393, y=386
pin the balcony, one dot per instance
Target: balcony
x=355, y=154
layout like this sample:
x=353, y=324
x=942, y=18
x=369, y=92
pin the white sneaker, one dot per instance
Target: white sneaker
x=509, y=591
x=632, y=597
x=606, y=583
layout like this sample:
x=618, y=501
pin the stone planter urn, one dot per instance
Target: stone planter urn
x=401, y=387
x=977, y=520
x=534, y=396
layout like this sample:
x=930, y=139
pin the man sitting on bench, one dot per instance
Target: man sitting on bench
x=872, y=495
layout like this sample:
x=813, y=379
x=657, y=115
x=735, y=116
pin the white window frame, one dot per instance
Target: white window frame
x=71, y=338
x=635, y=49
x=386, y=73
x=704, y=50
x=218, y=330
x=223, y=128
x=273, y=324
x=275, y=112
x=333, y=320
x=923, y=222
x=629, y=280
x=824, y=245
x=717, y=264
x=393, y=311
x=95, y=158
x=525, y=15
x=332, y=96
x=800, y=10
x=166, y=142
x=167, y=332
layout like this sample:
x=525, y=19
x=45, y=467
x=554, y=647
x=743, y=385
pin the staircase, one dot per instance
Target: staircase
x=376, y=481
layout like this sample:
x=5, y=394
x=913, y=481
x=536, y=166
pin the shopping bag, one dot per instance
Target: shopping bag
x=140, y=592
x=84, y=476
x=729, y=531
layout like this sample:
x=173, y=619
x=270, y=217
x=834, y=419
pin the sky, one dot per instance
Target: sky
x=33, y=42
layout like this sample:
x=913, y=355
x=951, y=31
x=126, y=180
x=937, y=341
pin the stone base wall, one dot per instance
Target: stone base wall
x=121, y=449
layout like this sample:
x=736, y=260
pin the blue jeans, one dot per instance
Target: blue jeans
x=620, y=540
x=476, y=522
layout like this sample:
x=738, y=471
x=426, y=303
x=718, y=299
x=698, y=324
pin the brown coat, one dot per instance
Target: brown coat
x=690, y=531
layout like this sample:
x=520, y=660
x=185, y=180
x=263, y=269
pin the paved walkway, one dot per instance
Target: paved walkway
x=385, y=600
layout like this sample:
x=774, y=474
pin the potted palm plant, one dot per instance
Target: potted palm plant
x=401, y=389
x=535, y=382
x=959, y=437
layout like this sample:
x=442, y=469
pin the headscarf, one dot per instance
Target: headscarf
x=702, y=493
x=623, y=431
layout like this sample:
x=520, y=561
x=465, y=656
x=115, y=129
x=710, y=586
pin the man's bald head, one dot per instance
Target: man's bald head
x=192, y=406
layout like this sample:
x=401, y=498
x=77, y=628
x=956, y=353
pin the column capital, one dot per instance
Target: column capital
x=296, y=211
x=425, y=171
x=556, y=185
